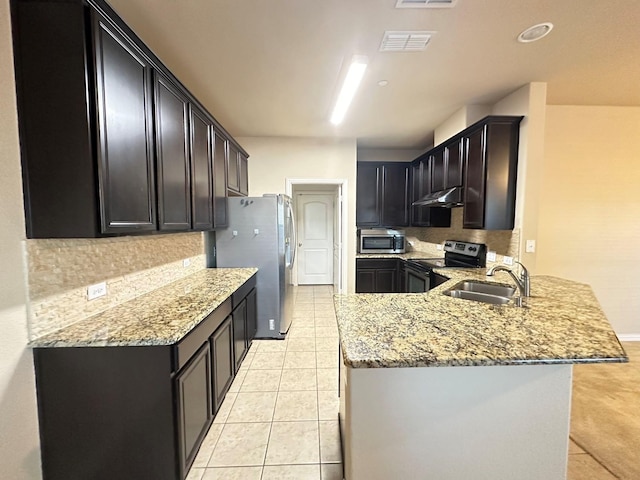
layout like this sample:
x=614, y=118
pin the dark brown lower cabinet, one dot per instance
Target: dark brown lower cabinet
x=223, y=361
x=377, y=275
x=252, y=316
x=130, y=412
x=240, y=347
x=195, y=412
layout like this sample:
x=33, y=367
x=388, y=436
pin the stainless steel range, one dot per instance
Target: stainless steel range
x=418, y=271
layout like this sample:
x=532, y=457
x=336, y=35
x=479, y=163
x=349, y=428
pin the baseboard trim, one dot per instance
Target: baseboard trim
x=629, y=337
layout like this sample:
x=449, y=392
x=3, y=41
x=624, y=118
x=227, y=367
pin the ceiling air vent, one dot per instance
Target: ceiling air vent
x=425, y=3
x=405, y=41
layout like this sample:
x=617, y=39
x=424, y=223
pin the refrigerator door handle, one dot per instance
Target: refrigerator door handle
x=293, y=233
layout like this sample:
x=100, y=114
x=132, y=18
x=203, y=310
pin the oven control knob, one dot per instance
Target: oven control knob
x=473, y=249
x=447, y=244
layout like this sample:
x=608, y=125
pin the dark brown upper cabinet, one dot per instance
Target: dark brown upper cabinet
x=220, y=154
x=125, y=159
x=172, y=155
x=454, y=161
x=491, y=167
x=237, y=173
x=243, y=173
x=368, y=185
x=85, y=120
x=202, y=175
x=438, y=170
x=382, y=194
x=110, y=143
x=422, y=216
x=446, y=168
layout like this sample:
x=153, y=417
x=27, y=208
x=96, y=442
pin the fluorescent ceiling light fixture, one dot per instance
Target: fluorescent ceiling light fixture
x=535, y=32
x=349, y=88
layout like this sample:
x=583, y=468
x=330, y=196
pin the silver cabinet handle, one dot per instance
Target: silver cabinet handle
x=299, y=244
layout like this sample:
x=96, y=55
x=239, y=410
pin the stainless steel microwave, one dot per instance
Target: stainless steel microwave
x=381, y=241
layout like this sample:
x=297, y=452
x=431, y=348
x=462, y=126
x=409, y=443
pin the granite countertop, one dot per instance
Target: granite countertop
x=161, y=317
x=561, y=323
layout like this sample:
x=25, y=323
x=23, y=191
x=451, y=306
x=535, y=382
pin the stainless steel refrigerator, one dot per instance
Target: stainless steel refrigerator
x=261, y=234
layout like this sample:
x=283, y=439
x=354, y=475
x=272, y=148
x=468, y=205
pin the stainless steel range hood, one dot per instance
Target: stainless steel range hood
x=452, y=197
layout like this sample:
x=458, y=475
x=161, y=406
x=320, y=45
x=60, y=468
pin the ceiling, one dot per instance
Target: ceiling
x=273, y=67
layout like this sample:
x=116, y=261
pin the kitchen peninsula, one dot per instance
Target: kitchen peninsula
x=498, y=404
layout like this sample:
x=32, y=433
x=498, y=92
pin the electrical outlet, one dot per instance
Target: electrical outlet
x=97, y=290
x=186, y=262
x=531, y=246
x=491, y=256
x=438, y=247
x=507, y=260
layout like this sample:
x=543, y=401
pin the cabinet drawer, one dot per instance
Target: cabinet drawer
x=189, y=345
x=243, y=291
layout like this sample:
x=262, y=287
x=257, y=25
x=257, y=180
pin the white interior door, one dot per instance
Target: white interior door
x=315, y=238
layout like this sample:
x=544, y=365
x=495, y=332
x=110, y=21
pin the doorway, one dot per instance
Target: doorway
x=319, y=226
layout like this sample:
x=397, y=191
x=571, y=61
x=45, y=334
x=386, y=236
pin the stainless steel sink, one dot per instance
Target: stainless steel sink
x=482, y=287
x=481, y=292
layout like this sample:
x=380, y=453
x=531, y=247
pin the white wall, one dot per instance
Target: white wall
x=19, y=444
x=589, y=214
x=273, y=160
x=461, y=119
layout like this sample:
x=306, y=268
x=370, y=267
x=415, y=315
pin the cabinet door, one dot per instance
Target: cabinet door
x=233, y=178
x=376, y=275
x=474, y=183
x=239, y=333
x=193, y=385
x=453, y=155
x=125, y=132
x=201, y=171
x=223, y=361
x=365, y=281
x=220, y=153
x=252, y=316
x=416, y=192
x=386, y=280
x=437, y=170
x=172, y=155
x=395, y=195
x=368, y=182
x=243, y=173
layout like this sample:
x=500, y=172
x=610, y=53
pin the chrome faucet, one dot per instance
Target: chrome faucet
x=523, y=283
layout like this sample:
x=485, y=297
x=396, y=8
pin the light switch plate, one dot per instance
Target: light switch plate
x=531, y=246
x=97, y=290
x=508, y=260
x=491, y=256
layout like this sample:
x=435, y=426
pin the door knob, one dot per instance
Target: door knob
x=299, y=244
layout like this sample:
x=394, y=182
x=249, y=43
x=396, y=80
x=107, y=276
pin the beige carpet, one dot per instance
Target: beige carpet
x=605, y=420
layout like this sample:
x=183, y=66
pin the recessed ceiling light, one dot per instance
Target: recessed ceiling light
x=535, y=32
x=383, y=83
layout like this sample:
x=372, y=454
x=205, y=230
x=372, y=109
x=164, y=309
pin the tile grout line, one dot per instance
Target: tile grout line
x=594, y=458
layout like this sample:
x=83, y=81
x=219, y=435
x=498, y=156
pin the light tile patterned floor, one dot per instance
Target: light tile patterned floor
x=280, y=418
